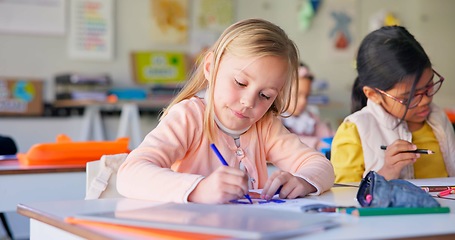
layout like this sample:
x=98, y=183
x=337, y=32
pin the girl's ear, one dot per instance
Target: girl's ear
x=208, y=61
x=372, y=95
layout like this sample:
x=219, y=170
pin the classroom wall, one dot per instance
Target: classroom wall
x=38, y=56
x=431, y=22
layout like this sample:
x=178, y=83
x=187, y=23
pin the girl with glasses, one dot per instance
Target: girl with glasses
x=303, y=120
x=393, y=114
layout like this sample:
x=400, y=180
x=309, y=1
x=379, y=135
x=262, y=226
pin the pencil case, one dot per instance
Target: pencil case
x=376, y=191
x=66, y=152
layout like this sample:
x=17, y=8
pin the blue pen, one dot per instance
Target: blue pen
x=221, y=158
x=278, y=190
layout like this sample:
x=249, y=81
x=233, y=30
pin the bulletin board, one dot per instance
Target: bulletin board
x=32, y=16
x=21, y=96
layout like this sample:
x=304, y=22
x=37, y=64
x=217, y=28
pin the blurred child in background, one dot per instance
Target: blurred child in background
x=303, y=121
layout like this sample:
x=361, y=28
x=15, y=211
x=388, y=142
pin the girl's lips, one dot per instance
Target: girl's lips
x=238, y=114
x=424, y=113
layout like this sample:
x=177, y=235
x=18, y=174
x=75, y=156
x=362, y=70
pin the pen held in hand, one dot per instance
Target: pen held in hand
x=421, y=151
x=223, y=161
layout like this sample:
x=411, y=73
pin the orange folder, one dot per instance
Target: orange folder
x=142, y=231
x=66, y=152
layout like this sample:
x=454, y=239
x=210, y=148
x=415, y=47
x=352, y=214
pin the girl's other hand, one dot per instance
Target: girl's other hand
x=221, y=186
x=292, y=186
x=396, y=158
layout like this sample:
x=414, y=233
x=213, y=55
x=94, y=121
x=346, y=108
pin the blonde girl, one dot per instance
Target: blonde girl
x=233, y=100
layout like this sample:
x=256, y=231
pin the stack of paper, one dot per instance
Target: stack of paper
x=238, y=221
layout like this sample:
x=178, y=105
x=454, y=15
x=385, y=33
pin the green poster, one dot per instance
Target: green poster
x=159, y=67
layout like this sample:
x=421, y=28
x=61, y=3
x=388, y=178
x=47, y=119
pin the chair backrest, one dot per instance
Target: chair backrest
x=7, y=146
x=101, y=177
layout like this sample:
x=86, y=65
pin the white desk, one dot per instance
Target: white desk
x=47, y=220
x=129, y=125
x=38, y=183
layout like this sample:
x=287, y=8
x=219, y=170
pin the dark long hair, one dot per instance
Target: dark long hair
x=386, y=57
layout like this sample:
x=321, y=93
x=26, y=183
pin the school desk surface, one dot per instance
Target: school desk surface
x=47, y=220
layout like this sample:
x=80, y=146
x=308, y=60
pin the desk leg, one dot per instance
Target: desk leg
x=129, y=118
x=92, y=124
x=5, y=225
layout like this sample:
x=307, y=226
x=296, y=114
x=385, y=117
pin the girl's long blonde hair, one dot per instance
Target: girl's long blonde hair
x=247, y=38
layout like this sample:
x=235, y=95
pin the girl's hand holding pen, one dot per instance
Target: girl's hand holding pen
x=221, y=186
x=289, y=186
x=397, y=156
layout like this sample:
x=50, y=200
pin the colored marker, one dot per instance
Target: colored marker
x=392, y=211
x=8, y=157
x=223, y=161
x=436, y=188
x=446, y=192
x=317, y=208
x=421, y=151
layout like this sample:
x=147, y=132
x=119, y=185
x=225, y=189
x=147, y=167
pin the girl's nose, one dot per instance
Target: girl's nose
x=247, y=100
x=425, y=100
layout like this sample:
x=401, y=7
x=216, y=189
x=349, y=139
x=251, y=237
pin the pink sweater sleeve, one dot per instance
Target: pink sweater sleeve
x=147, y=174
x=288, y=153
x=174, y=157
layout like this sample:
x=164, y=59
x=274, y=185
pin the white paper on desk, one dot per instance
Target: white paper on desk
x=294, y=205
x=238, y=221
x=433, y=181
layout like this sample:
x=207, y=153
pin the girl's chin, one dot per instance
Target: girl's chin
x=236, y=128
x=418, y=119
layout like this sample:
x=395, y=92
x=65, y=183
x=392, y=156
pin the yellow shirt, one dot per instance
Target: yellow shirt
x=347, y=154
x=428, y=165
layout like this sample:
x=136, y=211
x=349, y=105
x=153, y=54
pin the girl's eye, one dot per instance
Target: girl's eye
x=240, y=84
x=265, y=96
x=404, y=101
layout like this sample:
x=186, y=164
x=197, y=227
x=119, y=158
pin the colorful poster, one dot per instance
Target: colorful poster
x=214, y=14
x=169, y=21
x=159, y=67
x=21, y=97
x=91, y=30
x=341, y=29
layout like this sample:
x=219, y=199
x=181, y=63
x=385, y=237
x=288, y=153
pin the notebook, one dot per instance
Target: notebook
x=238, y=221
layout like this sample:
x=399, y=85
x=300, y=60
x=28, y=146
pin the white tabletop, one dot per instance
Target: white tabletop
x=351, y=227
x=19, y=183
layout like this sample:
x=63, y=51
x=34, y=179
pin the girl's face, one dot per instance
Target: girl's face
x=246, y=88
x=416, y=116
x=302, y=96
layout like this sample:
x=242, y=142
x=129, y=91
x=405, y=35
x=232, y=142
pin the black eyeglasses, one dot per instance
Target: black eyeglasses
x=429, y=91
